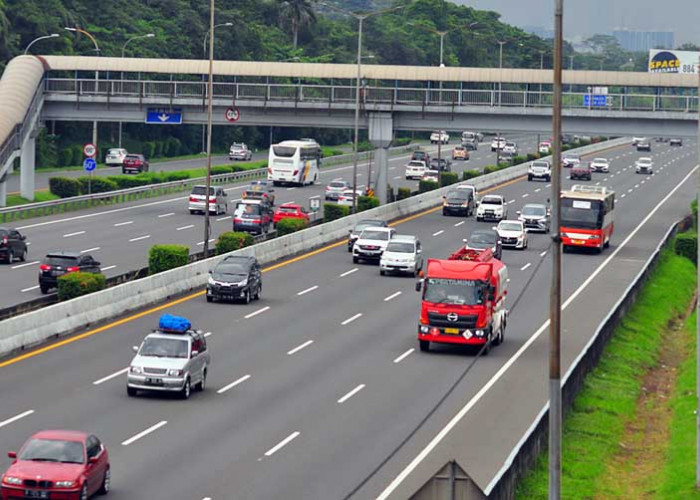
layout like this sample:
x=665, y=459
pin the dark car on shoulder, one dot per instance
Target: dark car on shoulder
x=421, y=155
x=482, y=239
x=360, y=226
x=236, y=277
x=13, y=245
x=582, y=171
x=56, y=264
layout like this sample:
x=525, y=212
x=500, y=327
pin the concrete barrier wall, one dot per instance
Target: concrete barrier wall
x=20, y=332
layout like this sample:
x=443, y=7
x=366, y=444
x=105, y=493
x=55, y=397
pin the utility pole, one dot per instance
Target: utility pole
x=210, y=87
x=697, y=320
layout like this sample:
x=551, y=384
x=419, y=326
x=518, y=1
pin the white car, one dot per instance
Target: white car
x=539, y=169
x=635, y=140
x=439, y=136
x=498, y=143
x=372, y=243
x=600, y=165
x=510, y=148
x=403, y=254
x=239, y=151
x=115, y=157
x=431, y=175
x=346, y=197
x=336, y=188
x=415, y=169
x=644, y=165
x=492, y=207
x=570, y=160
x=513, y=234
x=544, y=147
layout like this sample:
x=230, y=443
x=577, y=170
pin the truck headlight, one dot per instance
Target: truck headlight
x=479, y=333
x=424, y=329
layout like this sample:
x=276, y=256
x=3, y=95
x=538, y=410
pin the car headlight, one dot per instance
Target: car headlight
x=174, y=373
x=64, y=484
x=211, y=281
x=424, y=329
x=11, y=480
x=243, y=283
x=137, y=370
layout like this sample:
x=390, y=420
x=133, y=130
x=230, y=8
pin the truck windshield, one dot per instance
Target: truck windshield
x=582, y=214
x=453, y=291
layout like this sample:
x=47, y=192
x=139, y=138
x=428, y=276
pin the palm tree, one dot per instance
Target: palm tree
x=298, y=13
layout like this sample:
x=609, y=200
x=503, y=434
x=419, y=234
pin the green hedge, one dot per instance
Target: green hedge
x=694, y=209
x=331, y=211
x=401, y=141
x=64, y=187
x=96, y=184
x=73, y=285
x=221, y=169
x=366, y=202
x=686, y=244
x=329, y=151
x=448, y=178
x=363, y=146
x=230, y=241
x=289, y=225
x=532, y=156
x=65, y=157
x=128, y=181
x=470, y=174
x=425, y=186
x=164, y=257
x=404, y=193
x=490, y=169
x=518, y=159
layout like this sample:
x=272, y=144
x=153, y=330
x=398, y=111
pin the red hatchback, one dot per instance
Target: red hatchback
x=134, y=164
x=290, y=211
x=57, y=465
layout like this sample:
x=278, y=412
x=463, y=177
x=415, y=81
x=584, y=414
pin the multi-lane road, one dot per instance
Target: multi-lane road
x=316, y=384
x=119, y=236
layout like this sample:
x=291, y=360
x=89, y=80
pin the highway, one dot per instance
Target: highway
x=316, y=384
x=119, y=236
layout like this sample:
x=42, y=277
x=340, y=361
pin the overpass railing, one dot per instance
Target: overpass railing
x=371, y=95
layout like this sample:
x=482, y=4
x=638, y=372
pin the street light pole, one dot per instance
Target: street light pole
x=210, y=87
x=204, y=56
x=500, y=66
x=52, y=35
x=539, y=100
x=138, y=37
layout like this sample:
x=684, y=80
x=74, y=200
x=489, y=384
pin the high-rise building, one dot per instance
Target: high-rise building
x=642, y=41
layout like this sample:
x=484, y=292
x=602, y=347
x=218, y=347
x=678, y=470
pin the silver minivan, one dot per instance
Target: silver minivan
x=403, y=254
x=218, y=200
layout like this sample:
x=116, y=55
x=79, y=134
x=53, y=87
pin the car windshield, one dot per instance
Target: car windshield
x=416, y=164
x=201, y=190
x=418, y=155
x=370, y=234
x=571, y=157
x=337, y=184
x=600, y=160
x=287, y=210
x=113, y=152
x=510, y=226
x=53, y=450
x=453, y=291
x=485, y=238
x=229, y=270
x=360, y=226
x=534, y=210
x=457, y=196
x=399, y=247
x=236, y=146
x=643, y=161
x=510, y=144
x=164, y=348
x=132, y=157
x=488, y=200
x=540, y=164
x=247, y=210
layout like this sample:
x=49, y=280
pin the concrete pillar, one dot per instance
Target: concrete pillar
x=381, y=133
x=3, y=193
x=27, y=164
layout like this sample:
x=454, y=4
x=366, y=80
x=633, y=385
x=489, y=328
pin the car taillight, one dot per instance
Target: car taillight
x=269, y=170
x=72, y=269
x=45, y=267
x=296, y=172
x=193, y=199
x=4, y=240
x=212, y=198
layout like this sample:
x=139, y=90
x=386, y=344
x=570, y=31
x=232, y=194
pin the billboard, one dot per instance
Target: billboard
x=673, y=61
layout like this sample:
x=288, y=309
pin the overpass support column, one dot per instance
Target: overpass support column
x=381, y=133
x=27, y=164
x=3, y=192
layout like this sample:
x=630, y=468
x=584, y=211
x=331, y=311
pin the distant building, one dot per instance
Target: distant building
x=642, y=41
x=539, y=31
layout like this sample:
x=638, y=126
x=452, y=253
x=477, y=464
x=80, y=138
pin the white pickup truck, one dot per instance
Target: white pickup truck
x=439, y=137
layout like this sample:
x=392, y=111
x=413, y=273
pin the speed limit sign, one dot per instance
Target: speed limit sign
x=232, y=114
x=89, y=150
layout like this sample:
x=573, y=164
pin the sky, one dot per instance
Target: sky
x=588, y=17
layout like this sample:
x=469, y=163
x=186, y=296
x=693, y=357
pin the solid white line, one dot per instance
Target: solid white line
x=93, y=249
x=140, y=238
x=392, y=296
x=25, y=264
x=543, y=253
x=351, y=393
x=348, y=272
x=439, y=232
x=255, y=313
x=107, y=268
x=202, y=243
x=223, y=218
x=506, y=366
x=184, y=227
x=30, y=288
x=144, y=433
x=291, y=189
x=404, y=355
x=311, y=289
x=351, y=319
x=15, y=418
x=526, y=195
x=166, y=215
x=233, y=384
x=110, y=377
x=525, y=266
x=282, y=443
x=459, y=224
x=123, y=223
x=300, y=347
x=73, y=234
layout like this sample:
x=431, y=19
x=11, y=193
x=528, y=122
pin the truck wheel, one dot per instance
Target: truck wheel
x=424, y=345
x=499, y=338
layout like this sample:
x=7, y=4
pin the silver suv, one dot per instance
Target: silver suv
x=171, y=359
x=218, y=200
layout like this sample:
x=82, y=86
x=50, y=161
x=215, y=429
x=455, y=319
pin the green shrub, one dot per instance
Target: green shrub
x=401, y=141
x=172, y=147
x=425, y=186
x=97, y=184
x=158, y=149
x=565, y=147
x=230, y=241
x=329, y=151
x=175, y=176
x=221, y=169
x=73, y=285
x=518, y=159
x=404, y=193
x=364, y=146
x=686, y=244
x=78, y=155
x=289, y=225
x=532, y=156
x=470, y=174
x=65, y=157
x=366, y=202
x=448, y=178
x=694, y=209
x=331, y=211
x=127, y=181
x=64, y=187
x=149, y=149
x=490, y=169
x=164, y=257
x=503, y=164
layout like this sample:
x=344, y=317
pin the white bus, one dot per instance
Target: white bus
x=294, y=162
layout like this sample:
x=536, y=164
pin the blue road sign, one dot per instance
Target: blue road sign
x=164, y=116
x=89, y=164
x=595, y=100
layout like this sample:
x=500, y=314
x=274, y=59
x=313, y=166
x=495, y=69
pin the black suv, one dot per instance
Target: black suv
x=12, y=244
x=458, y=202
x=236, y=277
x=253, y=218
x=360, y=226
x=59, y=263
x=441, y=164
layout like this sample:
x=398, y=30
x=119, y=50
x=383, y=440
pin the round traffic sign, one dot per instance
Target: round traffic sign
x=89, y=164
x=232, y=114
x=89, y=150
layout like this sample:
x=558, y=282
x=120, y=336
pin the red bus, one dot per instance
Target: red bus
x=587, y=217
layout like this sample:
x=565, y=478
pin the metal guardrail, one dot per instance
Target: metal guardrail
x=371, y=95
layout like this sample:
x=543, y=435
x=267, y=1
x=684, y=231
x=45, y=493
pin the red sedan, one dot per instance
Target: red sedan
x=57, y=465
x=290, y=211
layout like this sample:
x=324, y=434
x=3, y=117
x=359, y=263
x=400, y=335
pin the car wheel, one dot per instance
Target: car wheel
x=186, y=390
x=246, y=297
x=84, y=492
x=44, y=289
x=106, y=480
x=258, y=292
x=210, y=298
x=203, y=383
x=355, y=260
x=23, y=256
x=130, y=391
x=10, y=257
x=382, y=272
x=424, y=345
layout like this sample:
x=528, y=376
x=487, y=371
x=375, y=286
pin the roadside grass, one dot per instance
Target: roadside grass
x=14, y=200
x=594, y=425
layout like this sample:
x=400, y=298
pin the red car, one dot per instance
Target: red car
x=290, y=211
x=134, y=163
x=57, y=465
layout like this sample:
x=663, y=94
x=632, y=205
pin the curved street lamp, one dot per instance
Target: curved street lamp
x=149, y=35
x=52, y=35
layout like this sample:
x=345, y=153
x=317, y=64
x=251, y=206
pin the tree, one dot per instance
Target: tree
x=691, y=47
x=298, y=13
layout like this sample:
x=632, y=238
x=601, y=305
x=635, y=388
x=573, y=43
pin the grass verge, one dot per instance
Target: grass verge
x=594, y=426
x=14, y=200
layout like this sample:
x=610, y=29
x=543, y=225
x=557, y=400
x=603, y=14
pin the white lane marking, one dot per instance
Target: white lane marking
x=29, y=289
x=255, y=313
x=538, y=190
x=300, y=347
x=184, y=227
x=110, y=377
x=18, y=266
x=506, y=366
x=525, y=266
x=511, y=201
x=77, y=233
x=623, y=195
x=629, y=190
x=207, y=334
x=351, y=393
x=439, y=232
x=291, y=189
x=392, y=296
x=398, y=177
x=459, y=224
x=636, y=186
x=282, y=444
x=93, y=249
x=310, y=289
x=597, y=183
x=223, y=218
x=543, y=253
x=526, y=195
x=15, y=418
x=201, y=243
x=642, y=182
x=404, y=355
x=144, y=433
x=107, y=268
x=123, y=223
x=346, y=273
x=166, y=215
x=392, y=168
x=548, y=185
x=351, y=319
x=233, y=384
x=144, y=237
